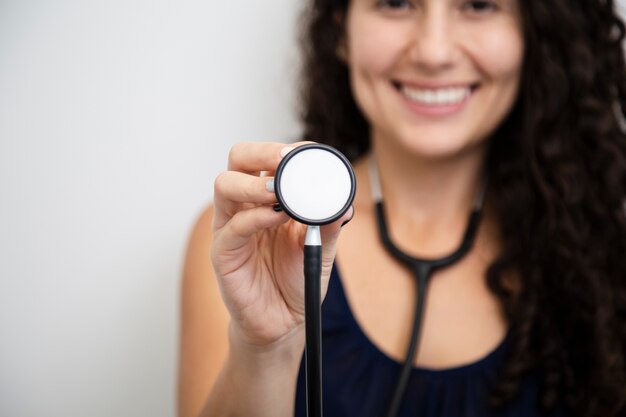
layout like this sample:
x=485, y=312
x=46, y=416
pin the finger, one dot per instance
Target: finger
x=331, y=231
x=330, y=234
x=231, y=188
x=258, y=156
x=243, y=225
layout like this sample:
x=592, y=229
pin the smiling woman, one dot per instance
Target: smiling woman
x=436, y=76
x=432, y=100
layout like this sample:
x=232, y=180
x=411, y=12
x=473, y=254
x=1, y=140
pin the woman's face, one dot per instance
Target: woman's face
x=436, y=76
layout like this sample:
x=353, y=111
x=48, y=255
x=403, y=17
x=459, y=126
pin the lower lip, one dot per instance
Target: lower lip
x=442, y=110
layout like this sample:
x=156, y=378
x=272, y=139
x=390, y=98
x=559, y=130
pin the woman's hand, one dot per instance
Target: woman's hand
x=257, y=252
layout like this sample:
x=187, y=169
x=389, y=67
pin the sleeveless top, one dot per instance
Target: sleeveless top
x=358, y=378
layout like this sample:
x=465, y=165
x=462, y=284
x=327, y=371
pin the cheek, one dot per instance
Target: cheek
x=500, y=56
x=374, y=46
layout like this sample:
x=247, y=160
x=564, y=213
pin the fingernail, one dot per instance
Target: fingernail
x=277, y=208
x=286, y=150
x=269, y=185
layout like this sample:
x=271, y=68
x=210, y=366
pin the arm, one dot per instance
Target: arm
x=257, y=381
x=212, y=382
x=242, y=331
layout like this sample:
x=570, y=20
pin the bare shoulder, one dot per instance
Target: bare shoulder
x=203, y=322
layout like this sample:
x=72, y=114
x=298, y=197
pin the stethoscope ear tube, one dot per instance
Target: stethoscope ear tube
x=422, y=270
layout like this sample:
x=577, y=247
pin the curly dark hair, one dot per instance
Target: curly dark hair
x=557, y=167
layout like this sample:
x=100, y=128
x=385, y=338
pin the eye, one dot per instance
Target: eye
x=394, y=4
x=479, y=6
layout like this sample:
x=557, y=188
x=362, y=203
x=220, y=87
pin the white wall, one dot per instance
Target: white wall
x=114, y=118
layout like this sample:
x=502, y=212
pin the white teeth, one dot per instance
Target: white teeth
x=440, y=96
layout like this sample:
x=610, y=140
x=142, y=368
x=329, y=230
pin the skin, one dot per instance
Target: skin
x=242, y=334
x=434, y=44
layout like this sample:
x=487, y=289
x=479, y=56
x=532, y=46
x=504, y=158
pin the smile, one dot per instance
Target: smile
x=438, y=96
x=436, y=100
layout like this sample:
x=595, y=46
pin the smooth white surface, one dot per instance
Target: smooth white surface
x=115, y=117
x=315, y=184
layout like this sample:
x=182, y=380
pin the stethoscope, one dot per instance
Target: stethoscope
x=315, y=185
x=422, y=270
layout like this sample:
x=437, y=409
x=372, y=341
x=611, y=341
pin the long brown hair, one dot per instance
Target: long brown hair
x=557, y=169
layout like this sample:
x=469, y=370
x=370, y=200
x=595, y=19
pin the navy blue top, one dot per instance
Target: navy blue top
x=358, y=378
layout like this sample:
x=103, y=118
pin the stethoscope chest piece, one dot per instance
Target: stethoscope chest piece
x=315, y=184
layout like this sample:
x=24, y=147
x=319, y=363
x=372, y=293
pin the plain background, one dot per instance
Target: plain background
x=115, y=116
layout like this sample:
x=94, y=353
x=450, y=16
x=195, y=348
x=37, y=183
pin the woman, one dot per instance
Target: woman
x=434, y=96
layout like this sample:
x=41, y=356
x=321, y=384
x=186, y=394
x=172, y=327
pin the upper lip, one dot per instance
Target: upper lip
x=432, y=85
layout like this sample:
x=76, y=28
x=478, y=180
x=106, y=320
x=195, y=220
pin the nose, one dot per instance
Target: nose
x=433, y=44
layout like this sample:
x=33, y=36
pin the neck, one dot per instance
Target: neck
x=433, y=191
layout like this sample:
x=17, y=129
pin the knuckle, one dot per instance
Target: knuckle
x=234, y=155
x=221, y=183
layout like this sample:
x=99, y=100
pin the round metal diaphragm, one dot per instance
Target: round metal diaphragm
x=315, y=184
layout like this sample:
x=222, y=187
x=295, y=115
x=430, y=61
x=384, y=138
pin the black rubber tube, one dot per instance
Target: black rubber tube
x=313, y=328
x=422, y=273
x=422, y=269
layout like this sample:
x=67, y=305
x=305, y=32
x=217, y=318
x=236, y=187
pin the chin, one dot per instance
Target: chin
x=440, y=147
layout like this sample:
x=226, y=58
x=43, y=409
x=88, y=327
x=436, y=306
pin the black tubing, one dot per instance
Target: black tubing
x=313, y=328
x=422, y=272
